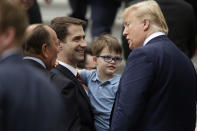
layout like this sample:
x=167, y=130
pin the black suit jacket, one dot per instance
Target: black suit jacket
x=80, y=116
x=63, y=86
x=28, y=102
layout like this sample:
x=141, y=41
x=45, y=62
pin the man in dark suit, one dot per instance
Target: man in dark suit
x=72, y=42
x=28, y=102
x=41, y=48
x=157, y=91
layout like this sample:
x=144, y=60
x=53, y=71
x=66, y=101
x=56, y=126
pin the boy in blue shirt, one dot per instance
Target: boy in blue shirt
x=103, y=83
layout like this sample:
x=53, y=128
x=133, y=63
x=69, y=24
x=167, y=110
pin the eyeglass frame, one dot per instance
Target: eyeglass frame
x=115, y=59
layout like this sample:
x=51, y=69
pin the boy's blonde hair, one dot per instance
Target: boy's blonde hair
x=103, y=41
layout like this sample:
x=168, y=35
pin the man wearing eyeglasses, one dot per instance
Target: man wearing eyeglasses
x=103, y=83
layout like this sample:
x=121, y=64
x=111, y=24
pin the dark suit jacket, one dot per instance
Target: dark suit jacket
x=37, y=65
x=157, y=91
x=28, y=102
x=63, y=86
x=80, y=113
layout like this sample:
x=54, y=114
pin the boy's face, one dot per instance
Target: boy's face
x=106, y=67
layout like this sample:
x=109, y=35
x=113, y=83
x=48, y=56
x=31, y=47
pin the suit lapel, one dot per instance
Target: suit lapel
x=66, y=72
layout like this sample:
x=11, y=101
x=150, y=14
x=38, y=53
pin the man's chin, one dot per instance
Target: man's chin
x=80, y=59
x=131, y=46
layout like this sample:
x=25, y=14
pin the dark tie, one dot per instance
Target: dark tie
x=81, y=82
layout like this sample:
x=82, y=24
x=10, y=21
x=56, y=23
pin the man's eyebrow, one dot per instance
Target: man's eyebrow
x=77, y=37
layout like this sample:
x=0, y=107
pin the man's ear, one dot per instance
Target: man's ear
x=146, y=24
x=44, y=51
x=95, y=60
x=60, y=47
x=8, y=37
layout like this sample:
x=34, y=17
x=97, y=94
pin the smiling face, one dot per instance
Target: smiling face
x=74, y=45
x=107, y=68
x=133, y=30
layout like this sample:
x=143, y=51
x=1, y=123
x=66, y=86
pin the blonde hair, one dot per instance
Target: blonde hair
x=150, y=10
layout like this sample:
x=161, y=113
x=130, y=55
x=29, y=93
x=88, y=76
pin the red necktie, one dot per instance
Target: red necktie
x=81, y=82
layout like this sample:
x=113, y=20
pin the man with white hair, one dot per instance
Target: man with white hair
x=157, y=91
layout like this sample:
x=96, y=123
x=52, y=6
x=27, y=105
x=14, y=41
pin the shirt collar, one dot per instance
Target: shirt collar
x=113, y=80
x=152, y=36
x=72, y=69
x=35, y=59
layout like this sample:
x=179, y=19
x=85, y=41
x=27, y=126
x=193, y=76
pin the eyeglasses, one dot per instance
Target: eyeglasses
x=110, y=58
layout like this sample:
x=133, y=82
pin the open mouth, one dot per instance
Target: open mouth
x=111, y=67
x=80, y=51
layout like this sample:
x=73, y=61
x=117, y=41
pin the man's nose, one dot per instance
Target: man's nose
x=83, y=43
x=124, y=32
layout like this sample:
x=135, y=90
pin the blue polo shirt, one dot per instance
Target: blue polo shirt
x=101, y=95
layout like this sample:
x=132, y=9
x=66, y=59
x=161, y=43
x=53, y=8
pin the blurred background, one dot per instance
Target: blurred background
x=62, y=8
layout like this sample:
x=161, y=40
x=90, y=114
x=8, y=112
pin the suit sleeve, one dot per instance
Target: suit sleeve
x=132, y=94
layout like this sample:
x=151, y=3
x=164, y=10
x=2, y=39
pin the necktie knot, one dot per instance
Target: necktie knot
x=81, y=82
x=79, y=77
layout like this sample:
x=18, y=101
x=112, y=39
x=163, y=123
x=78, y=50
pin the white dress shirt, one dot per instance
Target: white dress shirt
x=72, y=69
x=152, y=36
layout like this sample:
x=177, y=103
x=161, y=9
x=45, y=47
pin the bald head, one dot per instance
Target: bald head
x=30, y=29
x=36, y=35
x=41, y=42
